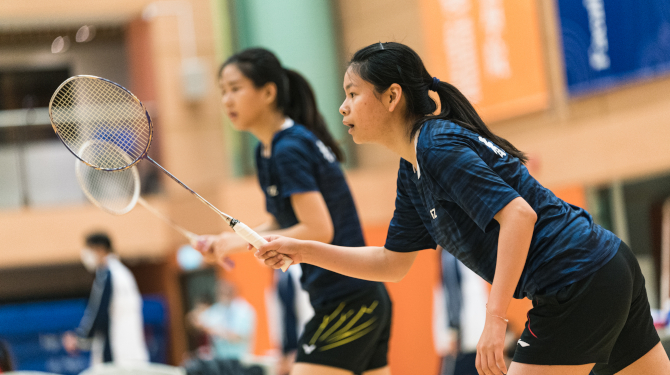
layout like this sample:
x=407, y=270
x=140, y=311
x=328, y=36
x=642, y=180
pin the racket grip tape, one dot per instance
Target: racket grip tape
x=256, y=240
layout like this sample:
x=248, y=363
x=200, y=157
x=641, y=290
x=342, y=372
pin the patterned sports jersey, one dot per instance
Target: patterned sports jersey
x=461, y=183
x=300, y=163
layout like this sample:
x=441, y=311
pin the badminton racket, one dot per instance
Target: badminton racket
x=88, y=108
x=118, y=192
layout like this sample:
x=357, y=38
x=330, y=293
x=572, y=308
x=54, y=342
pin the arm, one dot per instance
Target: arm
x=314, y=223
x=517, y=220
x=368, y=263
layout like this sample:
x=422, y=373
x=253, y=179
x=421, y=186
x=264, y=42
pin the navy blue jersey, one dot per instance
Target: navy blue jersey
x=301, y=163
x=461, y=183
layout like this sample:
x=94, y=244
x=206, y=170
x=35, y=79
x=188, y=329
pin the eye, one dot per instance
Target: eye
x=351, y=94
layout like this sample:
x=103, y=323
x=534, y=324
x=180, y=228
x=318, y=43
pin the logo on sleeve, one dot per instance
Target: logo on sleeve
x=433, y=214
x=272, y=190
x=493, y=147
x=523, y=343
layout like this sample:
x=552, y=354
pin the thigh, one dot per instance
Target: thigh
x=350, y=335
x=312, y=369
x=526, y=369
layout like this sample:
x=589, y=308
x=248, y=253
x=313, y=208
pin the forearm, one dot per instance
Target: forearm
x=302, y=231
x=368, y=263
x=516, y=233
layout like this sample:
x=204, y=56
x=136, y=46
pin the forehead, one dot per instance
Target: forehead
x=231, y=73
x=351, y=78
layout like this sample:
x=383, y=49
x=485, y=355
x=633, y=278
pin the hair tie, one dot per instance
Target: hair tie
x=434, y=84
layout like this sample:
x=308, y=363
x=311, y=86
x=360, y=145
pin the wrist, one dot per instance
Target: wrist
x=497, y=315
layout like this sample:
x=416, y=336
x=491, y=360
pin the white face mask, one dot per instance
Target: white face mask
x=89, y=259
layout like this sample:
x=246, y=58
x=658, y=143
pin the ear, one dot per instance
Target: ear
x=392, y=97
x=269, y=92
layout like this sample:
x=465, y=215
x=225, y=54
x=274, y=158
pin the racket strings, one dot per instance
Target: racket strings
x=87, y=108
x=115, y=192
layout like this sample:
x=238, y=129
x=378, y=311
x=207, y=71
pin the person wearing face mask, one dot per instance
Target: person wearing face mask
x=113, y=316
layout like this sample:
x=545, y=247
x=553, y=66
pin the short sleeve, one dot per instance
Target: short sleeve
x=461, y=174
x=407, y=232
x=296, y=169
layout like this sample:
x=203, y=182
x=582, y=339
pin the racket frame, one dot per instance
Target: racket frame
x=240, y=228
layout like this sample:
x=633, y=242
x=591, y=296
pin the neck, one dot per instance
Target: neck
x=398, y=141
x=268, y=125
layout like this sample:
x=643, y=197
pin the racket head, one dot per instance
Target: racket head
x=115, y=192
x=87, y=108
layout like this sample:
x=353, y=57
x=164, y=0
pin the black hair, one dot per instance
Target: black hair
x=295, y=97
x=99, y=239
x=383, y=64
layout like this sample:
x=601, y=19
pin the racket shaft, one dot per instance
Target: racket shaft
x=225, y=216
x=190, y=235
x=256, y=240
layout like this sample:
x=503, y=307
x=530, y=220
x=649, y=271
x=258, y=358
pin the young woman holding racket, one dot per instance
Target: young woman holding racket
x=308, y=197
x=465, y=189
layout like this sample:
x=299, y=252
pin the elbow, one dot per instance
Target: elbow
x=326, y=234
x=397, y=265
x=323, y=233
x=530, y=214
x=523, y=210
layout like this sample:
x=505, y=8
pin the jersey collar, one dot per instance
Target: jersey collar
x=266, y=152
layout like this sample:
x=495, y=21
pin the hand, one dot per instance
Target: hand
x=214, y=249
x=272, y=253
x=490, y=359
x=286, y=363
x=69, y=341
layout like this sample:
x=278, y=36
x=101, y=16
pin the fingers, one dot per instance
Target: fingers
x=490, y=363
x=500, y=362
x=226, y=263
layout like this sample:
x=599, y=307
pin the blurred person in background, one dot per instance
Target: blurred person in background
x=113, y=316
x=298, y=166
x=6, y=364
x=199, y=339
x=296, y=311
x=230, y=324
x=465, y=296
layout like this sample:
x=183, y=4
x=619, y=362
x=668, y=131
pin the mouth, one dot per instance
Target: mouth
x=232, y=115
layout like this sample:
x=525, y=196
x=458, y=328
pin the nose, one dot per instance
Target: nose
x=344, y=110
x=225, y=99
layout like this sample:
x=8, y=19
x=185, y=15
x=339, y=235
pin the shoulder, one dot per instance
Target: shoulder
x=294, y=139
x=443, y=134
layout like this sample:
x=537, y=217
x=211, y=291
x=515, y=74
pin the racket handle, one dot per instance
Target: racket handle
x=256, y=240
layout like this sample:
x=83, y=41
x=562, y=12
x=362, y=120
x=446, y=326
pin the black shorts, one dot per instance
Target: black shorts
x=351, y=334
x=603, y=319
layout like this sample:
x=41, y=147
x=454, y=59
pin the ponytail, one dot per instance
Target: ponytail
x=383, y=64
x=295, y=97
x=302, y=108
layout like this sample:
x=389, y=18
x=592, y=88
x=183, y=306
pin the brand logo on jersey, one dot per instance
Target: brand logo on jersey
x=523, y=343
x=308, y=348
x=493, y=147
x=433, y=214
x=272, y=190
x=326, y=151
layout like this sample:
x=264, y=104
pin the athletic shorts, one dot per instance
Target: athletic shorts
x=351, y=333
x=603, y=319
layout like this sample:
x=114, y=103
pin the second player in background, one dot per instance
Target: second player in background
x=298, y=166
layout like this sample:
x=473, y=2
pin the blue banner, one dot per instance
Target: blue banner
x=610, y=42
x=33, y=333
